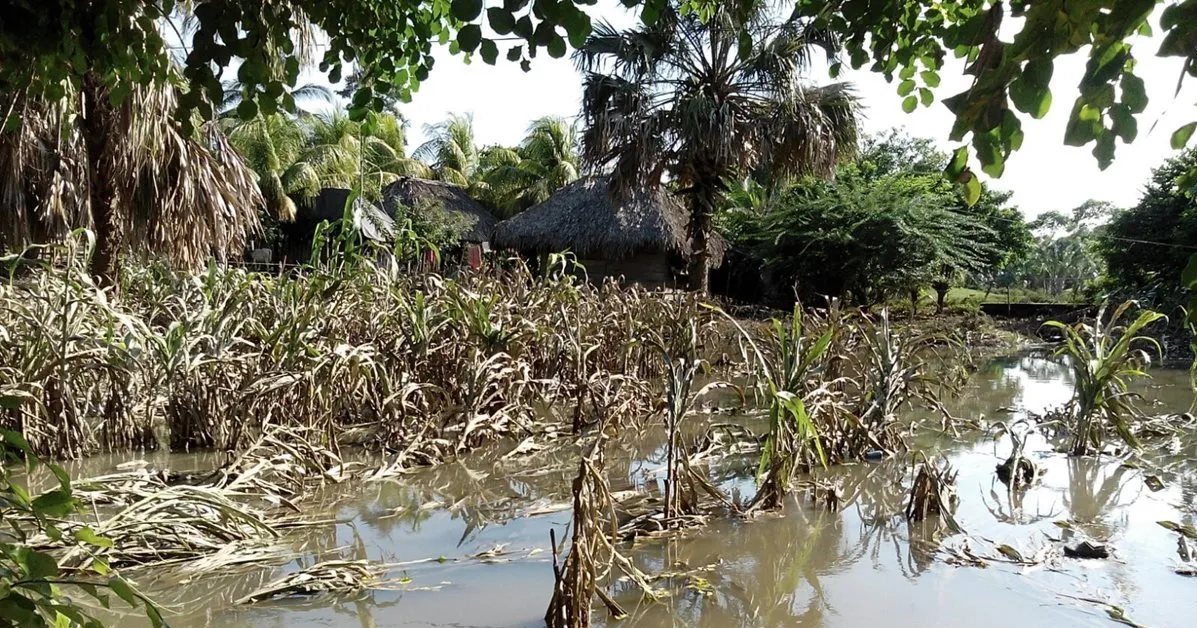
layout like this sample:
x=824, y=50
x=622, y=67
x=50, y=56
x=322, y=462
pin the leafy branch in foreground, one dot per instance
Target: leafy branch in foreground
x=1105, y=357
x=31, y=586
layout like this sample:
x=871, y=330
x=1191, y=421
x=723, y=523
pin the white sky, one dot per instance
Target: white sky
x=1044, y=174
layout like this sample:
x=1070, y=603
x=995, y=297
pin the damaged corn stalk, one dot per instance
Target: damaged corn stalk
x=791, y=370
x=592, y=553
x=933, y=494
x=417, y=365
x=891, y=373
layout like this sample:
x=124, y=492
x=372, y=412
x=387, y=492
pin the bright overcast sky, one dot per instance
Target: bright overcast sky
x=1044, y=175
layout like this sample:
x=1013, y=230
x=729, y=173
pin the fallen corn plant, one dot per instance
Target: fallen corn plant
x=171, y=526
x=340, y=577
x=354, y=353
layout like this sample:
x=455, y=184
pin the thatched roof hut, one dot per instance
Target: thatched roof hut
x=423, y=195
x=329, y=205
x=633, y=238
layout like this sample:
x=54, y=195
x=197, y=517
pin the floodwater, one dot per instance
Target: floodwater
x=469, y=540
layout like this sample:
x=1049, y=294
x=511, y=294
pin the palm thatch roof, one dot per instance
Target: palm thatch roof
x=372, y=222
x=424, y=195
x=584, y=218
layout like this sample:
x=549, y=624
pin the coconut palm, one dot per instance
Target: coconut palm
x=544, y=162
x=127, y=171
x=451, y=150
x=272, y=146
x=344, y=153
x=702, y=100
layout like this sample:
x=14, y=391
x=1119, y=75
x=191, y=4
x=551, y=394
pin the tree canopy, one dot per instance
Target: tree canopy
x=889, y=223
x=1147, y=246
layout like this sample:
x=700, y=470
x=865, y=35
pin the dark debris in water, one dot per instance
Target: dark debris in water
x=1087, y=550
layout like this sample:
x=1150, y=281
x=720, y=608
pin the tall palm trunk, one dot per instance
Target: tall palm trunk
x=98, y=117
x=702, y=208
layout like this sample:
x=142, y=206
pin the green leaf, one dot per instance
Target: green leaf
x=38, y=565
x=926, y=96
x=501, y=20
x=523, y=27
x=469, y=37
x=970, y=189
x=1134, y=92
x=489, y=51
x=1103, y=150
x=89, y=536
x=556, y=47
x=1124, y=123
x=466, y=10
x=1189, y=276
x=247, y=110
x=123, y=590
x=959, y=162
x=1083, y=125
x=1180, y=137
x=56, y=503
x=514, y=53
x=10, y=402
x=910, y=103
x=930, y=77
x=905, y=87
x=1030, y=99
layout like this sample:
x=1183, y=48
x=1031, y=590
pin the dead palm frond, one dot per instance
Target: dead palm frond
x=186, y=194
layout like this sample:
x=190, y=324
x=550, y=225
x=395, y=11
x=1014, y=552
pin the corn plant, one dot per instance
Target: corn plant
x=790, y=373
x=1105, y=357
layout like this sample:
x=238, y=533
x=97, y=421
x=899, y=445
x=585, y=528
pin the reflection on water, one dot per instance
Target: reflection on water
x=860, y=566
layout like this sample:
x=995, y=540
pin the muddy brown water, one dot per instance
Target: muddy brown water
x=484, y=522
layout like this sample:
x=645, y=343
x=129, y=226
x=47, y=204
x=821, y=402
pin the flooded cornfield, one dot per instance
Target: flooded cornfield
x=467, y=543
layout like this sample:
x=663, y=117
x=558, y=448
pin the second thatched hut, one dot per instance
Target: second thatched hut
x=641, y=239
x=441, y=203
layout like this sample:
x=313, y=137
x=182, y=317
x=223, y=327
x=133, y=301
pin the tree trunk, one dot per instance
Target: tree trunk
x=702, y=207
x=914, y=302
x=941, y=296
x=97, y=119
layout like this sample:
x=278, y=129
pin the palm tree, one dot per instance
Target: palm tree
x=544, y=162
x=344, y=153
x=272, y=146
x=701, y=101
x=451, y=151
x=127, y=171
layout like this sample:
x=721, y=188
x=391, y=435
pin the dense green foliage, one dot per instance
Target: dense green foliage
x=888, y=224
x=506, y=179
x=1146, y=247
x=544, y=162
x=31, y=585
x=1063, y=263
x=1013, y=63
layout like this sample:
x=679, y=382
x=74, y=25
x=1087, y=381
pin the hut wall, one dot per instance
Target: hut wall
x=650, y=270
